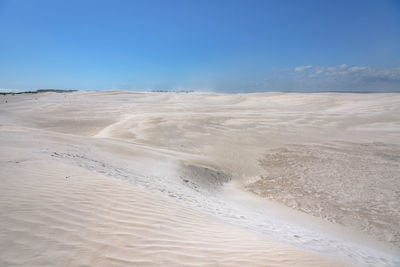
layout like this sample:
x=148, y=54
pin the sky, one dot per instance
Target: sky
x=218, y=45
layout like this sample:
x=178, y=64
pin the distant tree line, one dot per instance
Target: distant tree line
x=38, y=91
x=171, y=91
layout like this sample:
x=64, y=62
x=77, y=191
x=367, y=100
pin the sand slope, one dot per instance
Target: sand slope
x=53, y=214
x=356, y=185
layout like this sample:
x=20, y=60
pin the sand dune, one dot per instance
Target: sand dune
x=119, y=179
x=57, y=215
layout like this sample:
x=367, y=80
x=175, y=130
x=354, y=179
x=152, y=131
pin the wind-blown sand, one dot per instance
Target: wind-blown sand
x=272, y=179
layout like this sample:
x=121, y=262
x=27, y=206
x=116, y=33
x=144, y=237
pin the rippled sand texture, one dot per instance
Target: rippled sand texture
x=62, y=216
x=121, y=179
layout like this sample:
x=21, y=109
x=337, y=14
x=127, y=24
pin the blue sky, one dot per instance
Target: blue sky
x=232, y=46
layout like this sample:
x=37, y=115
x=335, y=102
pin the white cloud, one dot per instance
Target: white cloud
x=357, y=68
x=342, y=77
x=345, y=77
x=355, y=72
x=302, y=68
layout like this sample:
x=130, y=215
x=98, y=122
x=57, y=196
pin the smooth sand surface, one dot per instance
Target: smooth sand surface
x=271, y=179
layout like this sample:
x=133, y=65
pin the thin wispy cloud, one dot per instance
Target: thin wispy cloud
x=347, y=77
x=344, y=77
x=302, y=68
x=357, y=72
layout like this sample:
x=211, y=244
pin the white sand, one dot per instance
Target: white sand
x=114, y=178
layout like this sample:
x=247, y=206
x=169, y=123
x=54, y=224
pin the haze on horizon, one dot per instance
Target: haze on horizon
x=223, y=46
